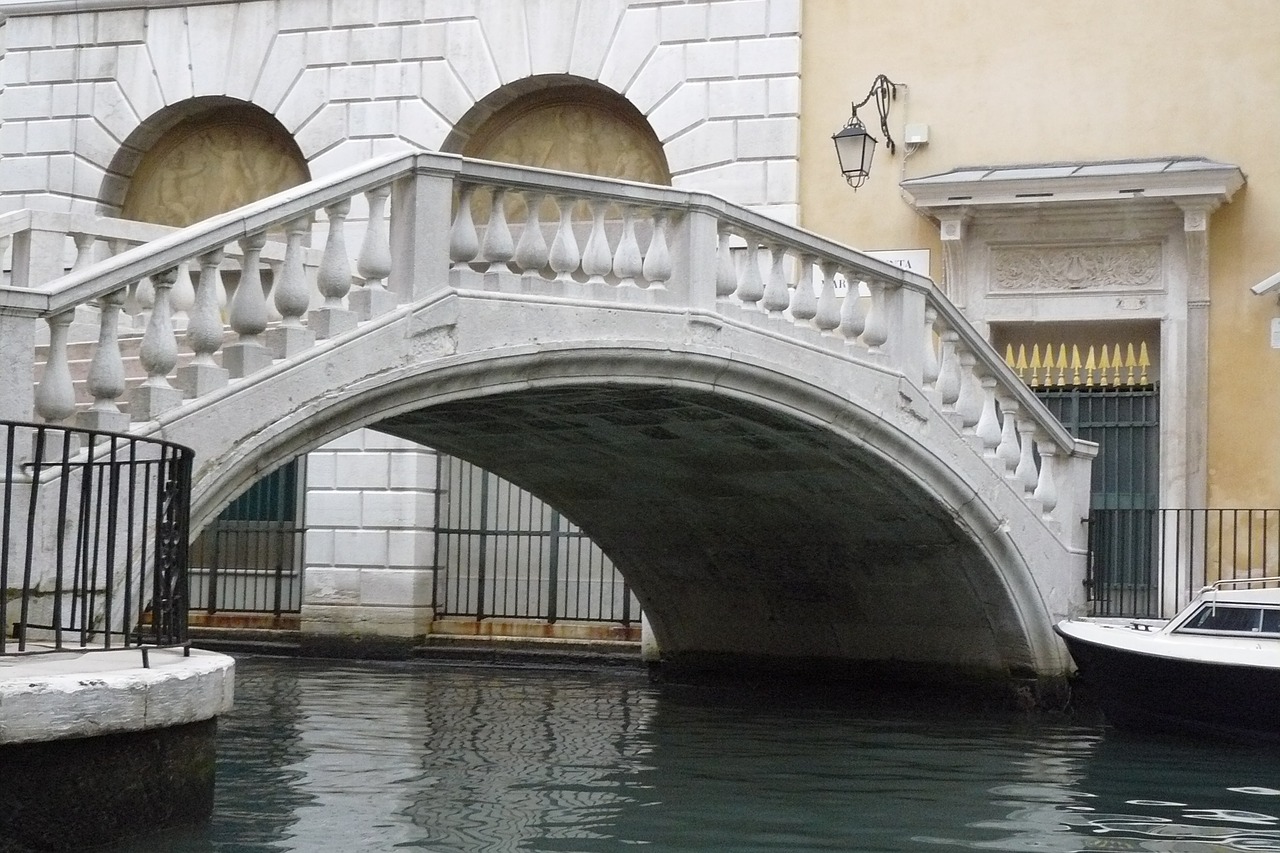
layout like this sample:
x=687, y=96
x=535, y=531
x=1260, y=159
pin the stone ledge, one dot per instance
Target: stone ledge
x=67, y=695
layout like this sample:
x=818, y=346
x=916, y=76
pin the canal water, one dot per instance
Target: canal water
x=343, y=757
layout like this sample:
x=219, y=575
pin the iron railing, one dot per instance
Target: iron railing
x=1147, y=563
x=503, y=553
x=250, y=559
x=93, y=539
x=247, y=567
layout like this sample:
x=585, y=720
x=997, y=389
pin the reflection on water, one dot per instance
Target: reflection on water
x=323, y=756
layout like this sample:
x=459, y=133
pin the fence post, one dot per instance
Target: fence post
x=553, y=570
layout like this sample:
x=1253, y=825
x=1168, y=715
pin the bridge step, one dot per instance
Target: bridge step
x=260, y=641
x=527, y=651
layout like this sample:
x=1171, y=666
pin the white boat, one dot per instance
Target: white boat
x=1213, y=667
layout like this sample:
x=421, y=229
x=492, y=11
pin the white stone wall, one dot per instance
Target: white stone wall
x=719, y=80
x=370, y=546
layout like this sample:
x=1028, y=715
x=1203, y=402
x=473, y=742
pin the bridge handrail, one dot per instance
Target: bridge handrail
x=177, y=246
x=745, y=219
x=726, y=259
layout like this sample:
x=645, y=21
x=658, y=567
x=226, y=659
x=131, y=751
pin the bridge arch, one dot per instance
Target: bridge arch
x=793, y=520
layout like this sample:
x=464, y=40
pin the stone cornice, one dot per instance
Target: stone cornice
x=19, y=8
x=1179, y=180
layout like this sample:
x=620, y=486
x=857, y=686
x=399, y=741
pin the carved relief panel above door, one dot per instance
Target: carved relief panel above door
x=1062, y=269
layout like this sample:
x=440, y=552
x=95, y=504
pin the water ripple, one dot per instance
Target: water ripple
x=321, y=756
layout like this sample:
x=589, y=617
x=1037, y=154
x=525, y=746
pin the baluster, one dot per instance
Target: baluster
x=87, y=313
x=564, y=258
x=853, y=322
x=1026, y=473
x=182, y=296
x=726, y=271
x=84, y=249
x=1046, y=489
x=144, y=297
x=751, y=288
x=777, y=296
x=55, y=398
x=597, y=257
x=132, y=308
x=988, y=426
x=499, y=246
x=333, y=279
x=531, y=251
x=292, y=296
x=374, y=263
x=930, y=367
x=628, y=263
x=248, y=315
x=106, y=380
x=464, y=243
x=876, y=334
x=969, y=404
x=204, y=331
x=657, y=261
x=276, y=268
x=1008, y=452
x=828, y=316
x=949, y=379
x=804, y=304
x=158, y=355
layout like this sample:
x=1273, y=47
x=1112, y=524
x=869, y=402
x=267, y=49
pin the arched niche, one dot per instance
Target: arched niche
x=205, y=157
x=565, y=124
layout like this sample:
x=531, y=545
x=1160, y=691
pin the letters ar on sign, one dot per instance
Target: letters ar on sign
x=911, y=260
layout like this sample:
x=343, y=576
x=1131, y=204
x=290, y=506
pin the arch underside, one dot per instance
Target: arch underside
x=752, y=539
x=760, y=513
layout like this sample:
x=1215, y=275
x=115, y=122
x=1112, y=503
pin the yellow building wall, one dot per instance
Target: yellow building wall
x=1013, y=81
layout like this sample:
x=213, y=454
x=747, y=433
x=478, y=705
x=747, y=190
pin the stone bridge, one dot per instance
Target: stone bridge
x=797, y=455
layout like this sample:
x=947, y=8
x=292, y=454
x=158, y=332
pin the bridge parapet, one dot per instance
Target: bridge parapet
x=436, y=224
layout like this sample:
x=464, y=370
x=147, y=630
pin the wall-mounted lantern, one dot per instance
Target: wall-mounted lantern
x=854, y=145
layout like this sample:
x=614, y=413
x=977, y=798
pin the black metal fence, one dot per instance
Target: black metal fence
x=1146, y=563
x=503, y=553
x=93, y=542
x=250, y=559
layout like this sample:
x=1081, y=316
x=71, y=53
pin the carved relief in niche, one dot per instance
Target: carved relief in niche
x=203, y=168
x=1067, y=268
x=586, y=136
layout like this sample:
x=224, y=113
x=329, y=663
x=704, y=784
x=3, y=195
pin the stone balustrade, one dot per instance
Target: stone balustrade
x=428, y=223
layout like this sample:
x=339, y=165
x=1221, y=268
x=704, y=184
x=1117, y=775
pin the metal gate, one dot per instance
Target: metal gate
x=503, y=553
x=1185, y=548
x=249, y=560
x=1125, y=422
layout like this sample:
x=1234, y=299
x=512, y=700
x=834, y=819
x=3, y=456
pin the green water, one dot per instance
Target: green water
x=341, y=757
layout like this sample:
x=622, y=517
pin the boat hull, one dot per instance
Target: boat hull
x=1137, y=689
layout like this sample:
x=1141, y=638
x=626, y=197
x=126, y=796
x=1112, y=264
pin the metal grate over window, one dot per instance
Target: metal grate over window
x=503, y=553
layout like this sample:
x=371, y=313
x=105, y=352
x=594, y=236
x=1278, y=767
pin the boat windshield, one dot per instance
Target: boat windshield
x=1216, y=618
